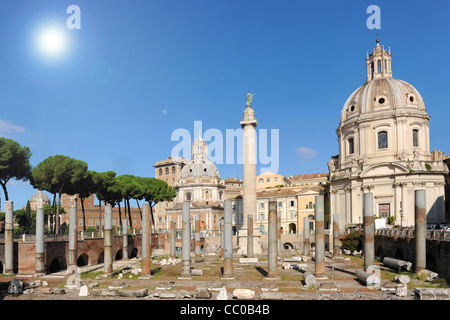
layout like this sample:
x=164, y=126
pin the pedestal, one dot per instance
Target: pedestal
x=242, y=242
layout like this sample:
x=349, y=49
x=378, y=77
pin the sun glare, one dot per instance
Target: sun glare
x=51, y=41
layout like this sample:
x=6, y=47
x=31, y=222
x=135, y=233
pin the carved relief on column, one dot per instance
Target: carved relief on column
x=8, y=205
x=72, y=202
x=39, y=203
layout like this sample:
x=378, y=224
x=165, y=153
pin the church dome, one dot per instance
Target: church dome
x=381, y=92
x=200, y=166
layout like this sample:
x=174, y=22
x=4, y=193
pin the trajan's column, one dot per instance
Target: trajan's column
x=248, y=125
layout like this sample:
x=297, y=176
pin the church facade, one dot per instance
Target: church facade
x=199, y=183
x=384, y=149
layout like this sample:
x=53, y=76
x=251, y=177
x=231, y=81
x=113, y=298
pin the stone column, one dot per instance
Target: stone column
x=197, y=248
x=336, y=236
x=273, y=241
x=186, y=242
x=125, y=239
x=39, y=253
x=279, y=232
x=73, y=231
x=222, y=240
x=250, y=236
x=369, y=231
x=107, y=234
x=420, y=217
x=228, y=240
x=306, y=242
x=172, y=239
x=248, y=125
x=9, y=239
x=146, y=241
x=320, y=238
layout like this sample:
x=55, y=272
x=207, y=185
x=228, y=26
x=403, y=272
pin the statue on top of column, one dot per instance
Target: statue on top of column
x=249, y=98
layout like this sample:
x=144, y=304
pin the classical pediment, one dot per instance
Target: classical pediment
x=384, y=169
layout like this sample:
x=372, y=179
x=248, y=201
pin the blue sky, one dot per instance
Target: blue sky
x=138, y=70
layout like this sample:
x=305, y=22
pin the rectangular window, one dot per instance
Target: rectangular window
x=415, y=137
x=382, y=140
x=351, y=146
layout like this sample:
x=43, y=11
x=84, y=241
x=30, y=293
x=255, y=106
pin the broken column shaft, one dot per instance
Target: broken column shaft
x=369, y=231
x=273, y=241
x=186, y=241
x=336, y=236
x=250, y=236
x=146, y=241
x=306, y=243
x=228, y=240
x=39, y=253
x=125, y=239
x=420, y=218
x=9, y=239
x=197, y=248
x=279, y=232
x=72, y=231
x=108, y=266
x=320, y=238
x=172, y=239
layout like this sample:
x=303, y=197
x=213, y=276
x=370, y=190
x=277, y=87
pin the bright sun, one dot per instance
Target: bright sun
x=51, y=41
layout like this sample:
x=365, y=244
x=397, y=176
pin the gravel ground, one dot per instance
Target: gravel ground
x=340, y=283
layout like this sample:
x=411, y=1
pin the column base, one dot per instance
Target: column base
x=242, y=242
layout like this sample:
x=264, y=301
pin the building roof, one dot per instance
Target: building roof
x=309, y=176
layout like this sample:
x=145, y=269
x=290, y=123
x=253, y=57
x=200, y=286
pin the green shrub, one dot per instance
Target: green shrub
x=353, y=241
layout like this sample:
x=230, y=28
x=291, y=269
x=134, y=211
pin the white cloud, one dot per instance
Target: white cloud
x=8, y=127
x=305, y=154
x=164, y=111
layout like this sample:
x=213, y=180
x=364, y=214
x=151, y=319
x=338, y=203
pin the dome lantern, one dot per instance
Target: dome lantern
x=378, y=63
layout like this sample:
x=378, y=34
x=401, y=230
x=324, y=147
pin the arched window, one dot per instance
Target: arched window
x=415, y=137
x=310, y=205
x=379, y=66
x=351, y=147
x=382, y=140
x=167, y=170
x=160, y=171
x=173, y=169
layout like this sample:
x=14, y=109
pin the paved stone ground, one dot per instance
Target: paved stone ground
x=340, y=283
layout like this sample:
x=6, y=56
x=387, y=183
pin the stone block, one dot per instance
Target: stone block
x=271, y=296
x=126, y=293
x=58, y=291
x=47, y=290
x=223, y=294
x=244, y=294
x=248, y=260
x=84, y=291
x=167, y=295
x=197, y=272
x=141, y=293
x=202, y=293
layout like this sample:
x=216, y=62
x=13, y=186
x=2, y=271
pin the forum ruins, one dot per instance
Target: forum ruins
x=262, y=243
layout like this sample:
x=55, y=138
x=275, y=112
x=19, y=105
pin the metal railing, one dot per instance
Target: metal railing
x=410, y=233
